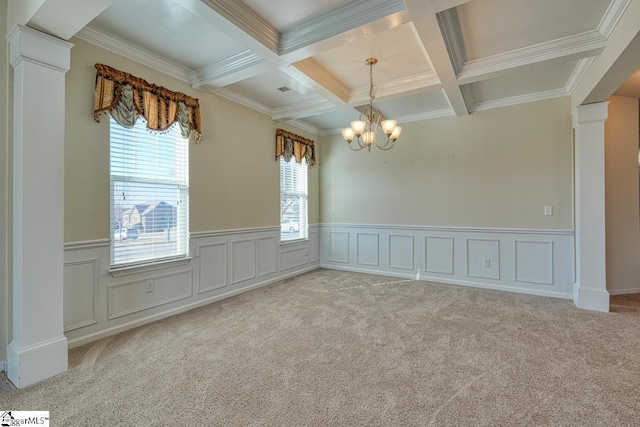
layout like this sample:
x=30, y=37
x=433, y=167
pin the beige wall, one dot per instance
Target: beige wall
x=5, y=204
x=234, y=178
x=621, y=194
x=495, y=168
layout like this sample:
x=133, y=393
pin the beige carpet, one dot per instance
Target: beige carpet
x=343, y=349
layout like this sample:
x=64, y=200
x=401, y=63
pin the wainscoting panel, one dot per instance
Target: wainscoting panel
x=131, y=297
x=98, y=304
x=438, y=256
x=267, y=255
x=368, y=251
x=314, y=246
x=293, y=256
x=533, y=262
x=338, y=245
x=536, y=262
x=243, y=260
x=213, y=266
x=483, y=258
x=80, y=294
x=401, y=252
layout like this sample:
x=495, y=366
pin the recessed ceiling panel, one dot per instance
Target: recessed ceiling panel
x=285, y=14
x=334, y=120
x=525, y=80
x=167, y=29
x=495, y=26
x=264, y=89
x=399, y=54
x=413, y=104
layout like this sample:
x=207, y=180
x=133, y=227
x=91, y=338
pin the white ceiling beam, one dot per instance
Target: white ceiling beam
x=352, y=15
x=576, y=46
x=441, y=5
x=239, y=22
x=60, y=18
x=242, y=65
x=316, y=77
x=424, y=18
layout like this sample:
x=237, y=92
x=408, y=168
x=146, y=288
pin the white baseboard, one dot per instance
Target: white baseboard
x=624, y=291
x=85, y=339
x=454, y=282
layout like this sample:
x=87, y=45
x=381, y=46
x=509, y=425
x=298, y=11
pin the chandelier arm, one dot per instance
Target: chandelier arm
x=386, y=146
x=356, y=149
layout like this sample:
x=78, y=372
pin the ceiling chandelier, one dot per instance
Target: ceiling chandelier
x=366, y=127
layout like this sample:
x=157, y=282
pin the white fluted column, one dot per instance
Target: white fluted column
x=590, y=289
x=38, y=349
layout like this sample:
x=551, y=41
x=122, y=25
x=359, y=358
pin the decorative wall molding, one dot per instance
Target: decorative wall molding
x=538, y=262
x=567, y=232
x=141, y=56
x=224, y=263
x=527, y=253
x=303, y=109
x=79, y=313
x=242, y=100
x=132, y=298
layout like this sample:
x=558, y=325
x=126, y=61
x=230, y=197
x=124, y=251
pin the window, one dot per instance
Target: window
x=293, y=200
x=149, y=194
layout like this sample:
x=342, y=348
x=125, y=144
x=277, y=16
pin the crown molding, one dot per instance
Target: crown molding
x=247, y=20
x=445, y=112
x=301, y=110
x=242, y=100
x=232, y=64
x=352, y=15
x=520, y=99
x=304, y=126
x=578, y=73
x=612, y=16
x=453, y=40
x=585, y=44
x=393, y=87
x=105, y=42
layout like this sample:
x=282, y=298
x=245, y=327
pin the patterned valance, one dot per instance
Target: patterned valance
x=127, y=97
x=290, y=145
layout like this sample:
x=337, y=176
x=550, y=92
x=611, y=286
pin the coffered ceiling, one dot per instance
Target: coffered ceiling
x=303, y=60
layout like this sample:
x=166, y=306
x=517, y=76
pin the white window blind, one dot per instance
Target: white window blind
x=293, y=200
x=149, y=194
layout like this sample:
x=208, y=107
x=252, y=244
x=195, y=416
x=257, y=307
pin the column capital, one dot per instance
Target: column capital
x=592, y=113
x=32, y=45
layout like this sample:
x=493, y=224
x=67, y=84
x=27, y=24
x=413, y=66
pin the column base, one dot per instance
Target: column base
x=591, y=299
x=28, y=365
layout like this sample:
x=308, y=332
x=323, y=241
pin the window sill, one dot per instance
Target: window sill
x=150, y=266
x=293, y=242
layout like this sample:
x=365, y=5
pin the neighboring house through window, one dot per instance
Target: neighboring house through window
x=149, y=194
x=293, y=200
